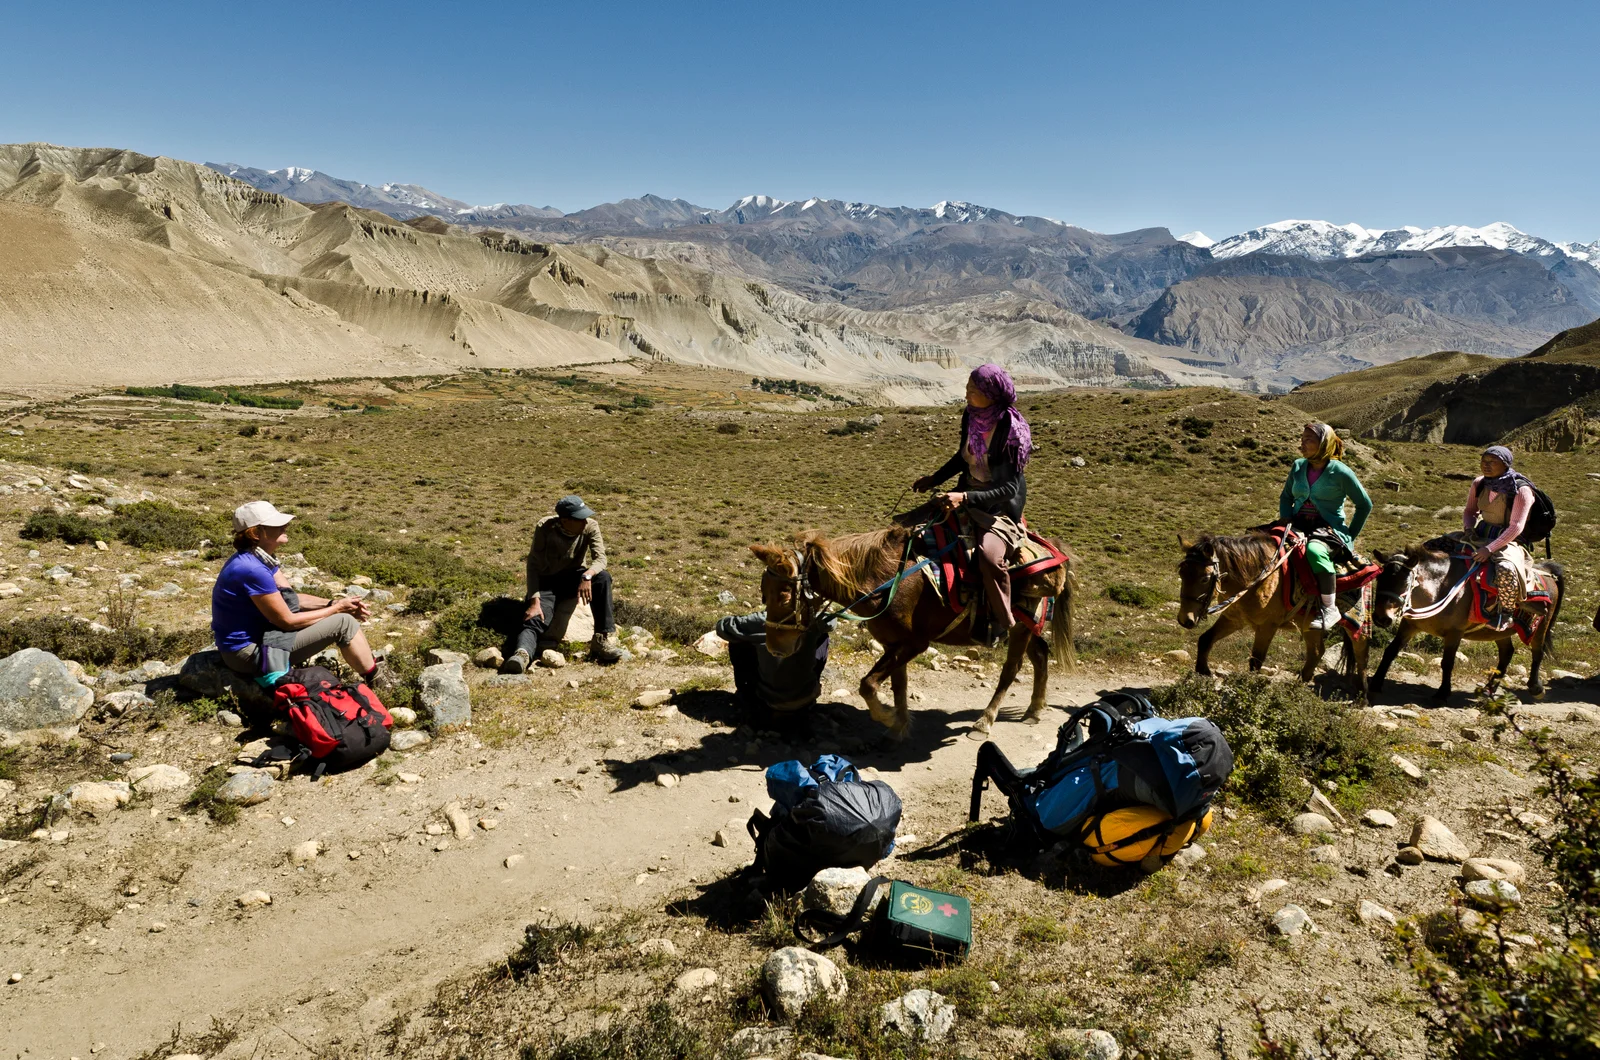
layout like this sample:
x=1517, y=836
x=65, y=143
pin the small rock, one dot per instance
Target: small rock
x=657, y=948
x=1437, y=842
x=792, y=976
x=1494, y=895
x=229, y=720
x=711, y=645
x=759, y=1043
x=148, y=780
x=157, y=927
x=305, y=853
x=1493, y=869
x=1320, y=803
x=443, y=690
x=1370, y=912
x=1379, y=819
x=551, y=659
x=836, y=890
x=409, y=778
x=96, y=798
x=1079, y=461
x=409, y=739
x=1409, y=856
x=1311, y=824
x=404, y=717
x=921, y=1015
x=488, y=824
x=1088, y=1044
x=459, y=824
x=1290, y=921
x=15, y=977
x=666, y=780
x=116, y=704
x=246, y=789
x=1406, y=766
x=1189, y=856
x=490, y=659
x=652, y=697
x=253, y=899
x=1177, y=655
x=1327, y=854
x=442, y=657
x=695, y=981
x=1529, y=819
x=513, y=860
x=720, y=839
x=1267, y=887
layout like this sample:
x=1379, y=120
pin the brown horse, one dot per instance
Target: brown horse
x=846, y=569
x=1246, y=572
x=1419, y=577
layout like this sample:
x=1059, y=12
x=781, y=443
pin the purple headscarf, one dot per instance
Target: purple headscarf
x=993, y=382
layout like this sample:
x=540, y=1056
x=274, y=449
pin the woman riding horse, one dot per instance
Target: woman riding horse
x=1312, y=502
x=995, y=444
x=1498, y=503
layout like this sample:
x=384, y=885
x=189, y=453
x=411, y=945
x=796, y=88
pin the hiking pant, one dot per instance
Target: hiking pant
x=564, y=586
x=996, y=581
x=335, y=629
x=778, y=685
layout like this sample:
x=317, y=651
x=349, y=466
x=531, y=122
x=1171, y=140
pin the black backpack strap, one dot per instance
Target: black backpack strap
x=838, y=927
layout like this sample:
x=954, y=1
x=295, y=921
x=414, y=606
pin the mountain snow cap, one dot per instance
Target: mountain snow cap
x=1196, y=238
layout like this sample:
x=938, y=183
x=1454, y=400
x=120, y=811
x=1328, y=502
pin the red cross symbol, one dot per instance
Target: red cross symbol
x=947, y=909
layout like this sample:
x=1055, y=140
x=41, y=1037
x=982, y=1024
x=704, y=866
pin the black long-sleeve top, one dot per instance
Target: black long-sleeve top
x=1007, y=490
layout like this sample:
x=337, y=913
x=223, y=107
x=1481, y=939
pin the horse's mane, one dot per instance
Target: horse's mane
x=1240, y=557
x=855, y=563
x=1418, y=553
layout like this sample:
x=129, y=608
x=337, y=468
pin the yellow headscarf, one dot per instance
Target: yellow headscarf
x=1332, y=446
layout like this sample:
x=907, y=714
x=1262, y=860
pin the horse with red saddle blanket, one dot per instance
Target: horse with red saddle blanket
x=915, y=585
x=1443, y=588
x=1264, y=579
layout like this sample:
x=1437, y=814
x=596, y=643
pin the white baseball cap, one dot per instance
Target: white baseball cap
x=258, y=513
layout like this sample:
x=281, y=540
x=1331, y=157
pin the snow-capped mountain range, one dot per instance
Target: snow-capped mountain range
x=398, y=200
x=1325, y=241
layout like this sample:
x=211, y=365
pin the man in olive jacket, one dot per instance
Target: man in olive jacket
x=567, y=559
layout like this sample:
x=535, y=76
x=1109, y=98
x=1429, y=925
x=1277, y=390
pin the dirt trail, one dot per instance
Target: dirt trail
x=376, y=933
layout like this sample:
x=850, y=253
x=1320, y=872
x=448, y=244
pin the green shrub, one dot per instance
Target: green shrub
x=1281, y=734
x=160, y=526
x=347, y=553
x=428, y=600
x=545, y=944
x=52, y=526
x=1545, y=1003
x=203, y=797
x=657, y=1034
x=71, y=638
x=1198, y=427
x=1140, y=596
x=680, y=627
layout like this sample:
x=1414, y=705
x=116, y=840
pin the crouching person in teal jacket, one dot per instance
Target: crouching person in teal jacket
x=1313, y=502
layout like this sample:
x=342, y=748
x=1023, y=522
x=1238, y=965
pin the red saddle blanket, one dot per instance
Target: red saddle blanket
x=1527, y=619
x=953, y=572
x=1299, y=582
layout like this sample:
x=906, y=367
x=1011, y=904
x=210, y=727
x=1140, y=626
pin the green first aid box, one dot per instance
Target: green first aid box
x=930, y=924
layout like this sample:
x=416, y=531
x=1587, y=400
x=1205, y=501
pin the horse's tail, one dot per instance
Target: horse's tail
x=1063, y=620
x=1555, y=609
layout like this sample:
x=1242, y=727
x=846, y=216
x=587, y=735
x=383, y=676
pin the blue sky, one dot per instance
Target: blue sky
x=1218, y=116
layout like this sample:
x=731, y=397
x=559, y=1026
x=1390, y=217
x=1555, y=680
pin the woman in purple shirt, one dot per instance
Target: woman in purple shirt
x=262, y=626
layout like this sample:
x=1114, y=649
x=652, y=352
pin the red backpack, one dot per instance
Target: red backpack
x=340, y=726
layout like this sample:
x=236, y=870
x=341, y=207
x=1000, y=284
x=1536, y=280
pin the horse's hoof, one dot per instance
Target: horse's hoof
x=977, y=735
x=1536, y=691
x=1031, y=718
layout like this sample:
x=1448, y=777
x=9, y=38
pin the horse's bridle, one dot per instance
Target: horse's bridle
x=1403, y=598
x=1213, y=576
x=805, y=597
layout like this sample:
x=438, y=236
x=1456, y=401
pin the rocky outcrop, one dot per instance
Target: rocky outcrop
x=40, y=696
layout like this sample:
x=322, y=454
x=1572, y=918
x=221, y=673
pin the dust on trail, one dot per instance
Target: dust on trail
x=373, y=936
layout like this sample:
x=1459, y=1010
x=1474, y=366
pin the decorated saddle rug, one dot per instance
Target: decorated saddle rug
x=1352, y=586
x=953, y=573
x=1495, y=606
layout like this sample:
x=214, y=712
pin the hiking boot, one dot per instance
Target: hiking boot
x=382, y=681
x=518, y=663
x=605, y=648
x=1327, y=619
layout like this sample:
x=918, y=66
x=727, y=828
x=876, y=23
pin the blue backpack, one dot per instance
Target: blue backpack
x=1114, y=753
x=823, y=816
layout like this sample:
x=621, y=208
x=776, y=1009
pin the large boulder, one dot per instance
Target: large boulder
x=40, y=697
x=791, y=977
x=443, y=690
x=205, y=674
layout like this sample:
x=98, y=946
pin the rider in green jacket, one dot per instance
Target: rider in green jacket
x=1312, y=502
